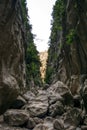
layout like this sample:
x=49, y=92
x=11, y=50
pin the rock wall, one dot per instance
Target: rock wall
x=70, y=48
x=43, y=59
x=12, y=65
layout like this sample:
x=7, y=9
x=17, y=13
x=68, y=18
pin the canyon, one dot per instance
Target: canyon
x=60, y=102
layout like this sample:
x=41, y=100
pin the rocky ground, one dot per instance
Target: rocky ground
x=54, y=108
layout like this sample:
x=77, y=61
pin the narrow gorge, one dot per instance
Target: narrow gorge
x=57, y=99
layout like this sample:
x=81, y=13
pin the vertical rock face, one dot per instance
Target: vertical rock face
x=70, y=44
x=76, y=21
x=43, y=59
x=12, y=66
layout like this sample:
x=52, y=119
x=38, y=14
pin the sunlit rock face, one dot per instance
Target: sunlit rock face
x=43, y=59
x=12, y=66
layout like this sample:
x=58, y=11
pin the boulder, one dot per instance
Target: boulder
x=40, y=127
x=72, y=117
x=38, y=106
x=8, y=92
x=58, y=125
x=61, y=89
x=84, y=127
x=30, y=123
x=56, y=109
x=15, y=117
x=11, y=128
x=48, y=122
x=53, y=98
x=74, y=84
x=6, y=127
x=46, y=125
x=37, y=120
x=28, y=96
x=78, y=128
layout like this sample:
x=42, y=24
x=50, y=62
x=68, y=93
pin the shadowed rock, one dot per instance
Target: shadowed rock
x=16, y=117
x=12, y=66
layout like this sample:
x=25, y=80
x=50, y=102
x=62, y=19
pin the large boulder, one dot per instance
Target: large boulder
x=31, y=123
x=64, y=92
x=46, y=125
x=56, y=109
x=15, y=117
x=72, y=117
x=40, y=127
x=6, y=127
x=38, y=106
x=12, y=65
x=54, y=97
x=50, y=124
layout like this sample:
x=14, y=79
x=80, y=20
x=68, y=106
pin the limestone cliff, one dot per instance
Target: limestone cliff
x=12, y=65
x=67, y=56
x=43, y=59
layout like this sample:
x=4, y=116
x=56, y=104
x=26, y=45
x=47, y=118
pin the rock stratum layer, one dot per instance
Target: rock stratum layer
x=12, y=65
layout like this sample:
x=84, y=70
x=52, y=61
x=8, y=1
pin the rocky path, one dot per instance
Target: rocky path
x=53, y=108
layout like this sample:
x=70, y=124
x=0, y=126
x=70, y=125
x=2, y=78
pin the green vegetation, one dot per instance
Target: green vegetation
x=49, y=73
x=70, y=37
x=55, y=43
x=33, y=65
x=57, y=13
x=31, y=56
